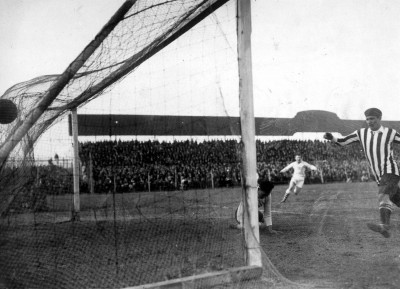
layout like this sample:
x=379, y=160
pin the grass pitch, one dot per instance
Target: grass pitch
x=130, y=239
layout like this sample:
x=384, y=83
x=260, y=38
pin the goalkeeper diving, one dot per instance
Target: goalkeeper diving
x=264, y=203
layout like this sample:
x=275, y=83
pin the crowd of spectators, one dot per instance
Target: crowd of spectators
x=124, y=166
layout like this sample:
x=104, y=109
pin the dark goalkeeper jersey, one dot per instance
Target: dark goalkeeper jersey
x=378, y=148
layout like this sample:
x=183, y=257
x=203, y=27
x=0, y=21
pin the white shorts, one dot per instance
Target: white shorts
x=299, y=182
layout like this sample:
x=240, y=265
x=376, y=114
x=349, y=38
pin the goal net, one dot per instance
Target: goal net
x=153, y=208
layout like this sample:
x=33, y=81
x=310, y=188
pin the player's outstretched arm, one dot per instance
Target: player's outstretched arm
x=310, y=166
x=285, y=169
x=342, y=141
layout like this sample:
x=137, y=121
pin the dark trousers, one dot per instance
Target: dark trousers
x=389, y=186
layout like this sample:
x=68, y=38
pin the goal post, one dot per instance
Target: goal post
x=132, y=218
x=249, y=161
x=76, y=173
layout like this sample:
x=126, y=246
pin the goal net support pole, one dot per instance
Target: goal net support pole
x=76, y=209
x=249, y=160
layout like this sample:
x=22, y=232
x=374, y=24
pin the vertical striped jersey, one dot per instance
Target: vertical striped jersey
x=378, y=148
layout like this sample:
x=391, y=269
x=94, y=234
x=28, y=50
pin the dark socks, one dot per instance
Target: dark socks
x=385, y=216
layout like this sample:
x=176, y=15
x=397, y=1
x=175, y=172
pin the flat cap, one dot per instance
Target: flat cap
x=265, y=188
x=373, y=112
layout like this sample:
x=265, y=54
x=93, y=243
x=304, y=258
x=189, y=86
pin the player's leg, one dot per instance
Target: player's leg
x=385, y=210
x=395, y=197
x=291, y=187
x=261, y=217
x=297, y=190
x=299, y=186
x=388, y=186
x=268, y=215
x=239, y=217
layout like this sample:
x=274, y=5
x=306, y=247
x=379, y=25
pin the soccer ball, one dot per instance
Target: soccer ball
x=8, y=111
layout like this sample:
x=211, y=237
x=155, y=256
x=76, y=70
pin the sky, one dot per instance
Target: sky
x=335, y=55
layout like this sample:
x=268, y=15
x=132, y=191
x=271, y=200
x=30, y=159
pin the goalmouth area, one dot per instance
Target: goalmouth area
x=323, y=241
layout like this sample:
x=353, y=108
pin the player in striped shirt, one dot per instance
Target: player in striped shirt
x=299, y=174
x=377, y=142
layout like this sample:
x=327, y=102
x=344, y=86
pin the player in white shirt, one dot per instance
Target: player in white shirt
x=298, y=176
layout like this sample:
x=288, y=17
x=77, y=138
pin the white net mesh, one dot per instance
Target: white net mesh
x=161, y=208
x=149, y=211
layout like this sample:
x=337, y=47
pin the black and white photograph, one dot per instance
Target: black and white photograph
x=199, y=144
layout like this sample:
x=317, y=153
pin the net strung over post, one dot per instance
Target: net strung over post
x=166, y=221
x=136, y=32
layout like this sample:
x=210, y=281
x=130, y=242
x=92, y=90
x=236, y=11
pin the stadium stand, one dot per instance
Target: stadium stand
x=154, y=165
